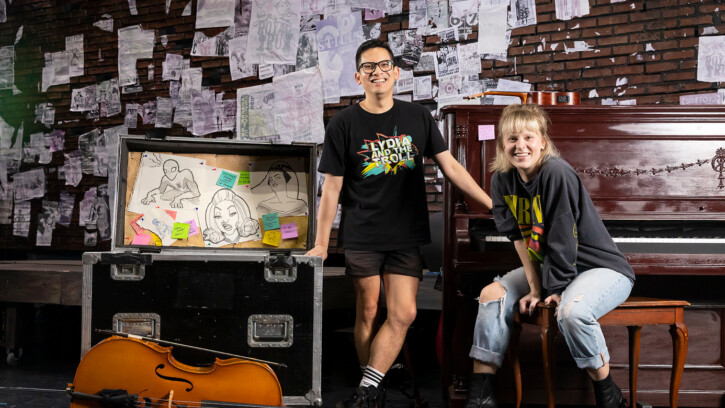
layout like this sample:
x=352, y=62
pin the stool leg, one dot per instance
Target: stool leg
x=547, y=343
x=635, y=333
x=514, y=355
x=408, y=362
x=679, y=343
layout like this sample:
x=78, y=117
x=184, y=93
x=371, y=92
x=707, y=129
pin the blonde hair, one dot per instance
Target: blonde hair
x=514, y=118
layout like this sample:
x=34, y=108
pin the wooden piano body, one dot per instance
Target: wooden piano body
x=657, y=177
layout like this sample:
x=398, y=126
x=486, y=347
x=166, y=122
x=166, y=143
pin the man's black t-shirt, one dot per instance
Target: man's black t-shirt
x=380, y=156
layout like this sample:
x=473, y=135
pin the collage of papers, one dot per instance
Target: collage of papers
x=216, y=201
x=269, y=69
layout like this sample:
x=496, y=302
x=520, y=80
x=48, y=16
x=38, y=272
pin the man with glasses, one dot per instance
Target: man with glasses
x=373, y=161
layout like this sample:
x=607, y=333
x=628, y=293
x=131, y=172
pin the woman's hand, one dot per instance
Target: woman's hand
x=527, y=304
x=553, y=298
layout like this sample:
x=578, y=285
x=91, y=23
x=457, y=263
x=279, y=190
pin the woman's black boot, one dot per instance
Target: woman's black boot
x=608, y=394
x=480, y=393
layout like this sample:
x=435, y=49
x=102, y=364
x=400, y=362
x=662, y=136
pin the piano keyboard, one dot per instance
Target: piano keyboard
x=638, y=240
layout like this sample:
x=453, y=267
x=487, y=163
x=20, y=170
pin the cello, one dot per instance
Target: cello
x=131, y=372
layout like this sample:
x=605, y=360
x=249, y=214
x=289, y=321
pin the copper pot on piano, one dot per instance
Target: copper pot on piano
x=538, y=97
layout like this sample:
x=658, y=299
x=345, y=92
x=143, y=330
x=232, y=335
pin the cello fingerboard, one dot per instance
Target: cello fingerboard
x=223, y=404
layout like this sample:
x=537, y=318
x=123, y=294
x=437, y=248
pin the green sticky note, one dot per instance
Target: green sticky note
x=244, y=178
x=226, y=179
x=271, y=221
x=180, y=230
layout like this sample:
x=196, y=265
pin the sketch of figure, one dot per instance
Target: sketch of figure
x=228, y=218
x=285, y=201
x=176, y=185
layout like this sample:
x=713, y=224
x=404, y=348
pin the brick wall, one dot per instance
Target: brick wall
x=643, y=50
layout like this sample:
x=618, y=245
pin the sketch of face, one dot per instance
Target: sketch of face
x=276, y=181
x=226, y=217
x=171, y=169
x=375, y=31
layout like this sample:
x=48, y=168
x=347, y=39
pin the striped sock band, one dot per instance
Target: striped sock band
x=371, y=377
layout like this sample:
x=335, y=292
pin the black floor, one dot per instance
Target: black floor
x=51, y=349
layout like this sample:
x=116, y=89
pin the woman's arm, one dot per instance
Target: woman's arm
x=527, y=304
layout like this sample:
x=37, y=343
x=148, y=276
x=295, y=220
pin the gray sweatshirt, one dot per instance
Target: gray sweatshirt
x=556, y=218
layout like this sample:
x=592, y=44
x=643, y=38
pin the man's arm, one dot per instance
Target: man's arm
x=326, y=214
x=460, y=177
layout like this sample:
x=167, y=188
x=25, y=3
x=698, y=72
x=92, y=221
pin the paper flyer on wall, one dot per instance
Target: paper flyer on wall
x=134, y=43
x=274, y=32
x=338, y=38
x=214, y=13
x=299, y=106
x=256, y=112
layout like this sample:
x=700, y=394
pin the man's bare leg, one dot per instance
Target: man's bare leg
x=367, y=292
x=400, y=291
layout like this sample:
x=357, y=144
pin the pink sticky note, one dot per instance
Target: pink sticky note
x=486, y=132
x=193, y=229
x=141, y=239
x=289, y=230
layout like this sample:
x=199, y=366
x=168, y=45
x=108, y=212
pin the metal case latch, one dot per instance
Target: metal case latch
x=270, y=330
x=280, y=268
x=141, y=324
x=126, y=272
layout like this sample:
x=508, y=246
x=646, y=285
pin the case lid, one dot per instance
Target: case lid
x=183, y=193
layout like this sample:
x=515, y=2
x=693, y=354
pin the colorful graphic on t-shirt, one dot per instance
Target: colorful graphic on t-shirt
x=387, y=154
x=532, y=230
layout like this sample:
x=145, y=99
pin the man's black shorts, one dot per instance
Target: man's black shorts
x=362, y=263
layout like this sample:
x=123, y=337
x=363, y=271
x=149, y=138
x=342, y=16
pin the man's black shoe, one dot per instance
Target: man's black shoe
x=364, y=397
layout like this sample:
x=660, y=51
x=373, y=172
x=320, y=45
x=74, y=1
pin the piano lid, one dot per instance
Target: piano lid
x=637, y=162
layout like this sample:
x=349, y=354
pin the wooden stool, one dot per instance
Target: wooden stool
x=634, y=313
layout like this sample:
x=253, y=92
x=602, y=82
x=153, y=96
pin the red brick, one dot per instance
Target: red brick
x=644, y=79
x=536, y=58
x=565, y=36
x=645, y=15
x=683, y=32
x=664, y=45
x=661, y=24
x=688, y=42
x=680, y=76
x=661, y=66
x=581, y=84
x=679, y=54
x=645, y=37
x=627, y=49
x=709, y=8
x=596, y=72
x=662, y=88
x=551, y=27
x=628, y=69
x=579, y=64
x=597, y=32
x=678, y=11
x=622, y=39
x=697, y=20
x=697, y=86
x=629, y=28
x=616, y=19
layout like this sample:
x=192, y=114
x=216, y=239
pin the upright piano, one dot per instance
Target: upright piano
x=657, y=177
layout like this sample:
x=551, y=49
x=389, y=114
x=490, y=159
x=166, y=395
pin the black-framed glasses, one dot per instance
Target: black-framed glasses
x=369, y=67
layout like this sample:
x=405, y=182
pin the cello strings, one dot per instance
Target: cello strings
x=163, y=401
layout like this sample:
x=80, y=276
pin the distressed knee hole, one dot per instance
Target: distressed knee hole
x=493, y=292
x=565, y=313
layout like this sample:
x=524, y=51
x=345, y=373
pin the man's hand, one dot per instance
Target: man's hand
x=527, y=304
x=318, y=250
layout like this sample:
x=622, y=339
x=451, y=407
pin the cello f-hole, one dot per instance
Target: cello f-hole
x=161, y=366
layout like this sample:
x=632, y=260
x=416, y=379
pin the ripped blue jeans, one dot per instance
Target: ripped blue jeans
x=591, y=295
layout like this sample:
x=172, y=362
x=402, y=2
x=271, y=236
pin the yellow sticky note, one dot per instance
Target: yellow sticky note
x=180, y=230
x=272, y=237
x=156, y=239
